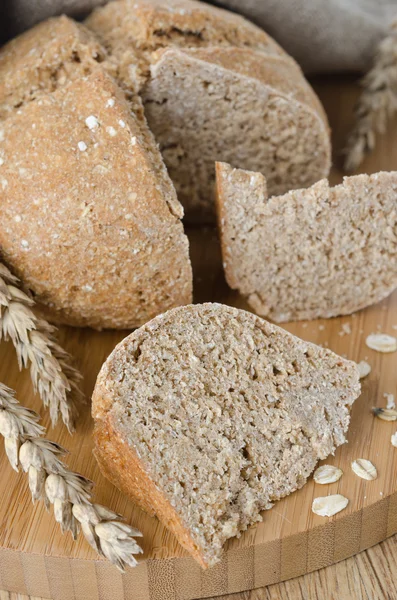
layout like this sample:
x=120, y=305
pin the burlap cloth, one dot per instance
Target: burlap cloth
x=323, y=35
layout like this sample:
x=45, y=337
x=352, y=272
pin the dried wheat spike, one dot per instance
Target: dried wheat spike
x=377, y=103
x=69, y=493
x=52, y=373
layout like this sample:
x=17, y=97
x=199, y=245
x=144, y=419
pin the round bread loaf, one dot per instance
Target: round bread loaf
x=208, y=414
x=215, y=87
x=89, y=217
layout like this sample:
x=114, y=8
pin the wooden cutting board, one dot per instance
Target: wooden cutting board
x=36, y=559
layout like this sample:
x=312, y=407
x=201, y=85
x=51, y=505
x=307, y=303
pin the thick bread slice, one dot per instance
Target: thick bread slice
x=200, y=108
x=90, y=219
x=215, y=87
x=208, y=414
x=45, y=58
x=316, y=252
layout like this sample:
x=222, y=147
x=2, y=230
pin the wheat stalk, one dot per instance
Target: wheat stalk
x=52, y=373
x=69, y=493
x=377, y=103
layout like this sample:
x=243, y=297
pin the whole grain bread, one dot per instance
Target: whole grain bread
x=89, y=217
x=215, y=87
x=208, y=414
x=316, y=252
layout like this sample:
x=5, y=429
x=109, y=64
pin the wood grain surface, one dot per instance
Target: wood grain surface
x=370, y=575
x=36, y=559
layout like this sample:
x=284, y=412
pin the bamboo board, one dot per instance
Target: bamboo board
x=36, y=559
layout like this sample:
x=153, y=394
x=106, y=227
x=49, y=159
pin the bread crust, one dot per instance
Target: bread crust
x=120, y=464
x=95, y=232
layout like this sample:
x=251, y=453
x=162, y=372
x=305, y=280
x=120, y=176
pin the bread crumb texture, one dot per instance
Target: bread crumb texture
x=316, y=252
x=90, y=218
x=215, y=87
x=218, y=414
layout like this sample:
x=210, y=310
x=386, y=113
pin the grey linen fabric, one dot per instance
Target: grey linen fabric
x=323, y=35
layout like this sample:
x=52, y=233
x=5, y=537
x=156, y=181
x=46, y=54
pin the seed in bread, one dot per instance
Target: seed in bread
x=208, y=414
x=90, y=218
x=215, y=87
x=316, y=252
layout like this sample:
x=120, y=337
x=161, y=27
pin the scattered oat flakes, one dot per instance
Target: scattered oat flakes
x=327, y=474
x=364, y=469
x=82, y=146
x=24, y=243
x=364, y=369
x=110, y=102
x=381, y=342
x=92, y=122
x=390, y=402
x=394, y=440
x=386, y=414
x=133, y=140
x=327, y=506
x=122, y=123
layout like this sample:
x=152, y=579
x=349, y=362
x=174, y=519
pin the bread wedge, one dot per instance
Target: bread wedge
x=315, y=252
x=208, y=414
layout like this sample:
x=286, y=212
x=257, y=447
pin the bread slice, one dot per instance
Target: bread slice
x=215, y=87
x=208, y=414
x=90, y=218
x=316, y=252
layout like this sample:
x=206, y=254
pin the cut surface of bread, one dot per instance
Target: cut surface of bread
x=215, y=87
x=208, y=414
x=316, y=252
x=90, y=218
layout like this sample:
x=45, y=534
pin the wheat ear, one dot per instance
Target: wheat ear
x=51, y=370
x=377, y=102
x=69, y=493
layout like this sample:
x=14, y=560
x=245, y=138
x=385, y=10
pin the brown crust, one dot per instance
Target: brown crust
x=105, y=220
x=120, y=464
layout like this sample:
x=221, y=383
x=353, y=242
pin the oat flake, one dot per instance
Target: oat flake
x=327, y=506
x=390, y=402
x=364, y=469
x=327, y=474
x=381, y=342
x=364, y=369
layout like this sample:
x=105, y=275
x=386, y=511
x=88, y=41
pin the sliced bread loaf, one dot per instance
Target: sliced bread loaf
x=215, y=87
x=316, y=252
x=208, y=414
